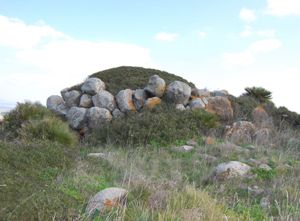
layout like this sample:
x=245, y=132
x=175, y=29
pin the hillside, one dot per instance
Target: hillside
x=217, y=157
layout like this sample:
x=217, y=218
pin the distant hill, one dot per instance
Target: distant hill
x=124, y=77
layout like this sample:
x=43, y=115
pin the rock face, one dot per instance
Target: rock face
x=241, y=132
x=92, y=86
x=86, y=101
x=220, y=93
x=96, y=116
x=156, y=86
x=56, y=104
x=196, y=104
x=106, y=199
x=124, y=101
x=72, y=98
x=76, y=117
x=261, y=117
x=179, y=92
x=139, y=98
x=104, y=99
x=153, y=102
x=262, y=136
x=220, y=106
x=225, y=171
x=200, y=92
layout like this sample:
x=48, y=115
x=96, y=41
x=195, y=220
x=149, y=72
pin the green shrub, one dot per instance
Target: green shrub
x=162, y=125
x=260, y=94
x=264, y=174
x=31, y=121
x=120, y=78
x=243, y=107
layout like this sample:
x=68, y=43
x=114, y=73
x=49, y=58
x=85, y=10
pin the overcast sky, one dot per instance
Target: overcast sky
x=48, y=45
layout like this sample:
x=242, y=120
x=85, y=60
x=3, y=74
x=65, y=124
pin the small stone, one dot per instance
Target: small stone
x=191, y=143
x=96, y=155
x=180, y=107
x=209, y=141
x=184, y=149
x=229, y=170
x=265, y=203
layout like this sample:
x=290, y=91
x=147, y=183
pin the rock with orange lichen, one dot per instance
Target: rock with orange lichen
x=261, y=117
x=153, y=102
x=124, y=101
x=220, y=106
x=106, y=199
x=156, y=86
x=209, y=141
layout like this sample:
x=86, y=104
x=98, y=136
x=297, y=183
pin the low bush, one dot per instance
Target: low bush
x=243, y=107
x=162, y=126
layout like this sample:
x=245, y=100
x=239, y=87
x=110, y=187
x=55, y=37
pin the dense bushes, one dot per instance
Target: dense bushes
x=30, y=121
x=162, y=126
x=243, y=107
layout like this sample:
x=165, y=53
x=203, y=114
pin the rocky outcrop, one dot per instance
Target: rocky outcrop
x=92, y=86
x=241, y=132
x=106, y=199
x=261, y=118
x=179, y=92
x=56, y=104
x=86, y=101
x=104, y=99
x=156, y=86
x=124, y=101
x=200, y=93
x=96, y=116
x=197, y=103
x=72, y=98
x=220, y=106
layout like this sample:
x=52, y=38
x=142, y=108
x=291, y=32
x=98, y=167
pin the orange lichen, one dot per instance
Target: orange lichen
x=153, y=102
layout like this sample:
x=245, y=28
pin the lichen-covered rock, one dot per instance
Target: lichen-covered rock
x=200, y=92
x=179, y=92
x=152, y=102
x=106, y=199
x=241, y=132
x=117, y=113
x=139, y=98
x=261, y=117
x=92, y=86
x=72, y=98
x=180, y=107
x=124, y=101
x=220, y=106
x=197, y=104
x=156, y=86
x=76, y=117
x=56, y=104
x=86, y=101
x=225, y=171
x=104, y=99
x=96, y=116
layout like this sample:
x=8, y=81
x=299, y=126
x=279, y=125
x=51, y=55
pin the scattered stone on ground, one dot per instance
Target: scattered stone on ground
x=225, y=171
x=106, y=199
x=255, y=190
x=183, y=149
x=192, y=143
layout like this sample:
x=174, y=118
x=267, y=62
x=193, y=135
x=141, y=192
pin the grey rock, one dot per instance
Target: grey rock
x=184, y=149
x=76, y=117
x=92, y=86
x=96, y=155
x=124, y=101
x=106, y=199
x=180, y=107
x=117, y=113
x=220, y=106
x=192, y=143
x=230, y=170
x=139, y=98
x=197, y=104
x=104, y=99
x=56, y=104
x=255, y=190
x=220, y=93
x=96, y=116
x=179, y=92
x=156, y=86
x=72, y=98
x=208, y=158
x=86, y=101
x=200, y=92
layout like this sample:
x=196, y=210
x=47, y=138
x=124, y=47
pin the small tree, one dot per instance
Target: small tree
x=260, y=94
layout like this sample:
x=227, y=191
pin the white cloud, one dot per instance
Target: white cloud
x=247, y=15
x=164, y=36
x=202, y=34
x=266, y=33
x=249, y=31
x=248, y=56
x=45, y=60
x=283, y=7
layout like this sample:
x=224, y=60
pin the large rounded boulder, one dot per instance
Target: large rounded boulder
x=86, y=101
x=197, y=104
x=179, y=92
x=225, y=171
x=72, y=98
x=139, y=98
x=57, y=105
x=96, y=116
x=124, y=101
x=92, y=86
x=156, y=86
x=76, y=117
x=104, y=99
x=220, y=106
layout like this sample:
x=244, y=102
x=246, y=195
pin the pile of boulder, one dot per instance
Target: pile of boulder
x=89, y=104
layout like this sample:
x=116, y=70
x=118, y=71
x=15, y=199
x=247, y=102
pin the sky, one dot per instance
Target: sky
x=46, y=46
